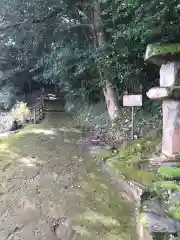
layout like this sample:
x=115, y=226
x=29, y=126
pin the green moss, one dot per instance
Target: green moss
x=174, y=210
x=165, y=48
x=138, y=148
x=130, y=171
x=143, y=221
x=160, y=236
x=170, y=173
x=156, y=53
x=104, y=155
x=163, y=187
x=132, y=161
x=166, y=185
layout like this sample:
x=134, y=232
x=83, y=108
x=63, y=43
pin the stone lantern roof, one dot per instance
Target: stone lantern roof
x=161, y=53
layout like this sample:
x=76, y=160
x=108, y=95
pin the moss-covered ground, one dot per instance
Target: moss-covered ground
x=51, y=189
x=132, y=161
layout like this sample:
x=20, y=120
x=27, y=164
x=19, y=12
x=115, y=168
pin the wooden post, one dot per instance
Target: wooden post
x=132, y=133
x=34, y=115
x=132, y=101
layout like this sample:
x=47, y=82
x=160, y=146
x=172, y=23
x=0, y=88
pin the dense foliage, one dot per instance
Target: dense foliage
x=56, y=42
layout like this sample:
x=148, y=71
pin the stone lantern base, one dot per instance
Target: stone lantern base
x=171, y=128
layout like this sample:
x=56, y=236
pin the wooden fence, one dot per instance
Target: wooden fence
x=35, y=102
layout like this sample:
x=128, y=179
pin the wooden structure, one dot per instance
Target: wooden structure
x=35, y=103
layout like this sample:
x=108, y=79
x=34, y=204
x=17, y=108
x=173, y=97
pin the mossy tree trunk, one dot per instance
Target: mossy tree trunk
x=109, y=90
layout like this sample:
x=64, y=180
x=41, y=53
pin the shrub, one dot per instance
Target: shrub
x=93, y=117
x=20, y=112
x=6, y=121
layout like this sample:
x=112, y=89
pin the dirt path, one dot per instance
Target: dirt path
x=50, y=189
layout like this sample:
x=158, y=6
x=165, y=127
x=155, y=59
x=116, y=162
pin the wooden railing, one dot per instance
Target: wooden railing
x=37, y=113
x=36, y=106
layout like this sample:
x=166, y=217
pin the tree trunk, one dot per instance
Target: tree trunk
x=108, y=90
x=29, y=86
x=111, y=101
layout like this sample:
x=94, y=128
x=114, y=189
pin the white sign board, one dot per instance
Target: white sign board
x=132, y=100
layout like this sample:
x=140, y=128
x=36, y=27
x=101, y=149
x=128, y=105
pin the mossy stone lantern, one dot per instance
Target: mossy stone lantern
x=167, y=57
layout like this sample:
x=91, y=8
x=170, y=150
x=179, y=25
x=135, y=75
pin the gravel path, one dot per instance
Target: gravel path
x=51, y=190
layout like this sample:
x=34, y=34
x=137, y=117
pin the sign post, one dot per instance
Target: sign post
x=132, y=101
x=132, y=122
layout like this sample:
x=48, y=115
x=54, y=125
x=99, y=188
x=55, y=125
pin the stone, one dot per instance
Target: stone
x=171, y=164
x=164, y=93
x=156, y=223
x=174, y=197
x=158, y=93
x=169, y=74
x=15, y=126
x=171, y=128
x=167, y=56
x=153, y=206
x=161, y=53
x=174, y=238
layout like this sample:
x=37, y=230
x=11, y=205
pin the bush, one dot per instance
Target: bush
x=147, y=120
x=19, y=113
x=6, y=121
x=93, y=117
x=9, y=96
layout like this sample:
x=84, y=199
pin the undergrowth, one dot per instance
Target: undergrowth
x=95, y=117
x=19, y=113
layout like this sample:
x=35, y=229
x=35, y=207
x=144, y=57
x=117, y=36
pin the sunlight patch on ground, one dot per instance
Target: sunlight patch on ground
x=24, y=203
x=6, y=152
x=44, y=131
x=81, y=230
x=4, y=146
x=64, y=129
x=37, y=131
x=30, y=162
x=93, y=217
x=67, y=141
x=92, y=176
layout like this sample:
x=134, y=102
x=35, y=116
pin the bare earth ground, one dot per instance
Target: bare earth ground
x=50, y=188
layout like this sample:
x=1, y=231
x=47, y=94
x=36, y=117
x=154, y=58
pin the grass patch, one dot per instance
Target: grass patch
x=132, y=161
x=165, y=186
x=174, y=210
x=169, y=173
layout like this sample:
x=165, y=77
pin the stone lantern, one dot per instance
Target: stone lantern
x=167, y=57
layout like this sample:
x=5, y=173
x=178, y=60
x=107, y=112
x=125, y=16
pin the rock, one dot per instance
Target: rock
x=163, y=93
x=169, y=76
x=171, y=137
x=174, y=238
x=156, y=223
x=158, y=93
x=15, y=126
x=6, y=121
x=159, y=53
x=174, y=205
x=174, y=197
x=171, y=164
x=153, y=206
